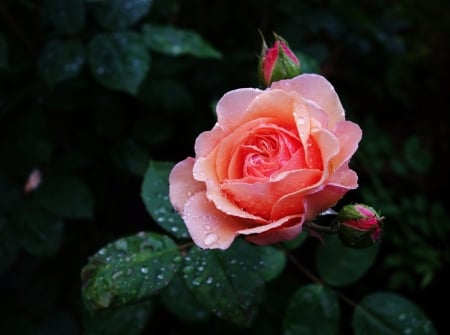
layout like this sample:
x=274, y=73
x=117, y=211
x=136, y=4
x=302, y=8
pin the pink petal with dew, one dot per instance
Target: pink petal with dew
x=232, y=107
x=285, y=232
x=204, y=170
x=182, y=184
x=348, y=134
x=318, y=89
x=208, y=227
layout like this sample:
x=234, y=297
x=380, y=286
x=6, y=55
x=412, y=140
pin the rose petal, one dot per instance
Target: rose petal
x=316, y=88
x=283, y=233
x=348, y=134
x=182, y=184
x=232, y=106
x=209, y=228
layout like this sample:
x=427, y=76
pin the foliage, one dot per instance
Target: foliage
x=102, y=97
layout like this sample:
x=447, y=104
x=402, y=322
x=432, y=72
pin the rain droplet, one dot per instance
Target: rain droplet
x=301, y=120
x=117, y=274
x=144, y=270
x=209, y=280
x=188, y=269
x=210, y=239
x=402, y=317
x=197, y=281
x=160, y=277
x=121, y=245
x=207, y=227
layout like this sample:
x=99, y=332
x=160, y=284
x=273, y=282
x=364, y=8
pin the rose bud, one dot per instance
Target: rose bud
x=277, y=62
x=359, y=226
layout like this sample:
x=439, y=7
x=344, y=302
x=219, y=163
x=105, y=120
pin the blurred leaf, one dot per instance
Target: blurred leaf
x=65, y=196
x=61, y=60
x=131, y=157
x=3, y=52
x=308, y=64
x=296, y=242
x=129, y=270
x=416, y=156
x=119, y=61
x=273, y=262
x=180, y=302
x=39, y=232
x=175, y=42
x=119, y=14
x=68, y=16
x=9, y=246
x=225, y=282
x=313, y=309
x=155, y=194
x=390, y=314
x=129, y=320
x=340, y=266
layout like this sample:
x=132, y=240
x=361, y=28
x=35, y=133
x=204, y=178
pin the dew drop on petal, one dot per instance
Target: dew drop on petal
x=210, y=239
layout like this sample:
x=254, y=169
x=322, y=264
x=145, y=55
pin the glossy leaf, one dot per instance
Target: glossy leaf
x=225, y=282
x=65, y=196
x=390, y=314
x=61, y=60
x=119, y=14
x=129, y=270
x=313, y=309
x=119, y=61
x=176, y=42
x=340, y=266
x=129, y=320
x=155, y=194
x=273, y=262
x=180, y=301
x=68, y=16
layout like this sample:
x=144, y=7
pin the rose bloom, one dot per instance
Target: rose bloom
x=274, y=160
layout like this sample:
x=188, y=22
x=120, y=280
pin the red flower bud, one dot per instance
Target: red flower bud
x=277, y=62
x=359, y=226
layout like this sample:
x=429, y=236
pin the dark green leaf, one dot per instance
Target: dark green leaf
x=313, y=309
x=119, y=61
x=228, y=283
x=339, y=266
x=129, y=320
x=119, y=14
x=68, y=16
x=296, y=242
x=61, y=60
x=131, y=157
x=180, y=302
x=175, y=42
x=65, y=196
x=3, y=53
x=40, y=232
x=390, y=314
x=273, y=262
x=155, y=194
x=129, y=270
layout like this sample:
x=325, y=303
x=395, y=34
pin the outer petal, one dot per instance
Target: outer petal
x=182, y=184
x=232, y=106
x=282, y=233
x=208, y=227
x=318, y=89
x=349, y=134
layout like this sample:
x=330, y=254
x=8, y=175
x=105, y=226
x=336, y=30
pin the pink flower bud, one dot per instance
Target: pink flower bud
x=277, y=62
x=359, y=226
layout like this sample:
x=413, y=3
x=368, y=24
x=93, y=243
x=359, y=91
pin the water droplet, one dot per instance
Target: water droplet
x=407, y=331
x=177, y=259
x=102, y=251
x=174, y=229
x=160, y=276
x=209, y=280
x=206, y=227
x=121, y=245
x=210, y=239
x=402, y=317
x=301, y=120
x=144, y=270
x=197, y=281
x=188, y=269
x=117, y=274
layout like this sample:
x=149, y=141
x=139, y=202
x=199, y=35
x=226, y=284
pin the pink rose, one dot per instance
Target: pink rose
x=274, y=160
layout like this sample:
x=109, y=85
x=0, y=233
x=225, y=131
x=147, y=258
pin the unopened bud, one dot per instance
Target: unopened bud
x=277, y=62
x=359, y=226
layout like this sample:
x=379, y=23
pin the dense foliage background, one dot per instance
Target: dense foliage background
x=92, y=90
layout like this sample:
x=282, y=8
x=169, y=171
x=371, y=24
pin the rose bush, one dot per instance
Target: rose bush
x=274, y=160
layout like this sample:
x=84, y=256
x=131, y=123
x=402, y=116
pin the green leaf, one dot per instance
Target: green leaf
x=39, y=232
x=296, y=242
x=131, y=157
x=130, y=320
x=390, y=314
x=313, y=309
x=68, y=16
x=339, y=266
x=273, y=262
x=129, y=270
x=228, y=283
x=119, y=14
x=61, y=60
x=119, y=61
x=176, y=42
x=180, y=302
x=155, y=194
x=65, y=196
x=3, y=53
